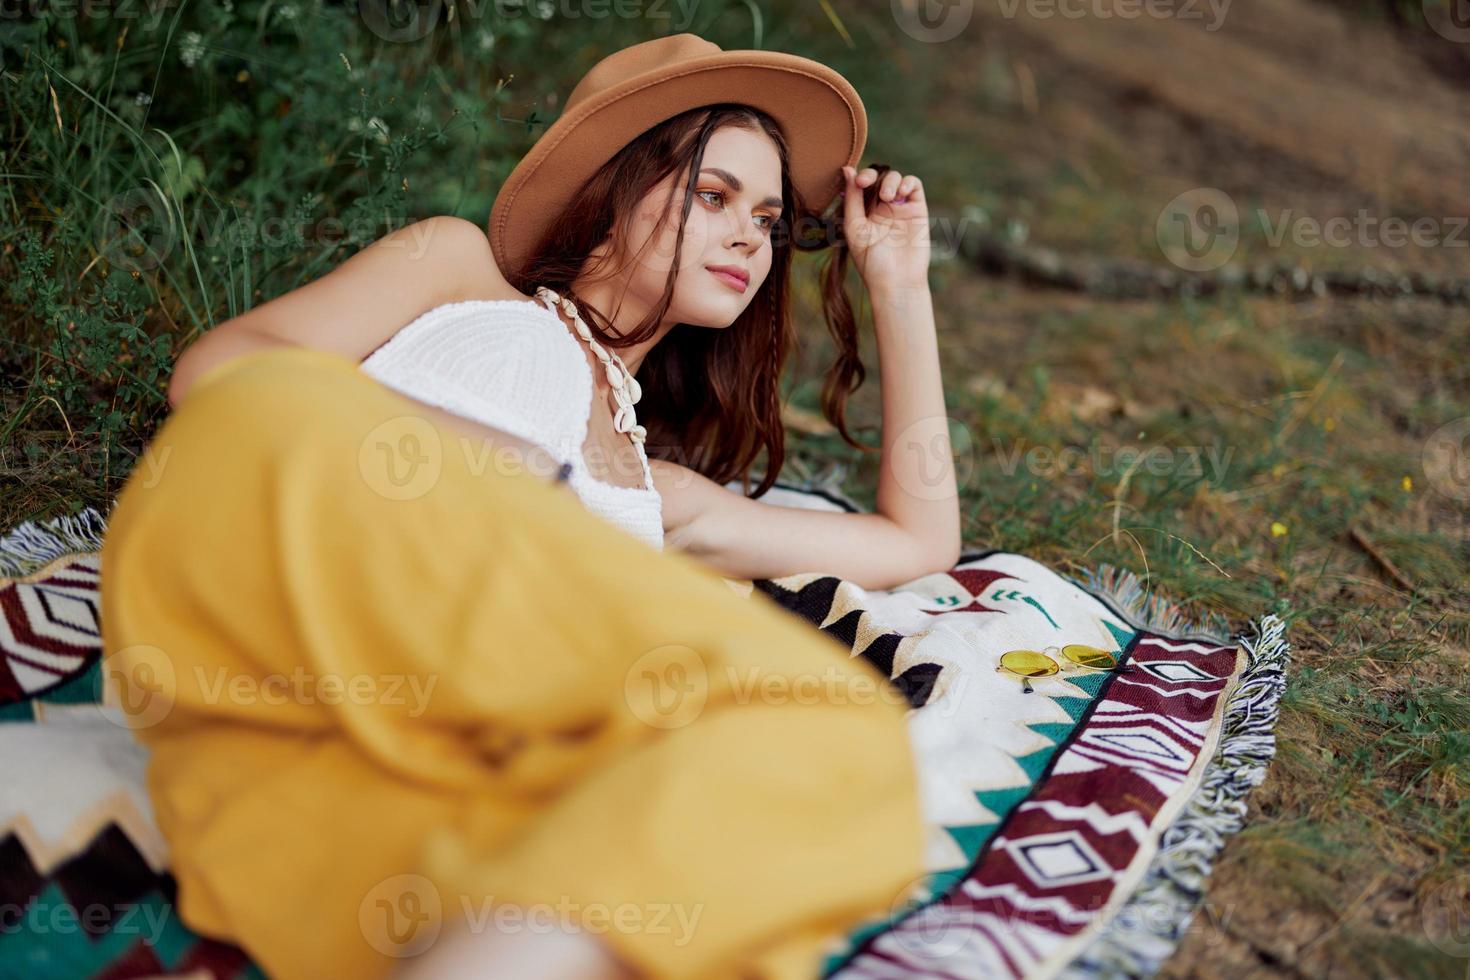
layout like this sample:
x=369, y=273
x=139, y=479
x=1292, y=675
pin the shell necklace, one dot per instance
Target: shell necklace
x=625, y=389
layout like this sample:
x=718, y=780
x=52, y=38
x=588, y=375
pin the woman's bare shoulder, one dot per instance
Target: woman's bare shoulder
x=354, y=308
x=461, y=252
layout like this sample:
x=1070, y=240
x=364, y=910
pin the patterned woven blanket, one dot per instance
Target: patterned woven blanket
x=1071, y=827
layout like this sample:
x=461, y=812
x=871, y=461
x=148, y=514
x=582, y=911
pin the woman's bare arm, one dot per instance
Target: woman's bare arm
x=356, y=307
x=916, y=528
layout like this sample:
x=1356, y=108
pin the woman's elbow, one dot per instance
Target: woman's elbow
x=924, y=558
x=948, y=556
x=177, y=382
x=191, y=362
x=221, y=344
x=937, y=554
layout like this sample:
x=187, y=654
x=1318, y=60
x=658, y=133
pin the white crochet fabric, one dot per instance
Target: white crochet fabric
x=515, y=365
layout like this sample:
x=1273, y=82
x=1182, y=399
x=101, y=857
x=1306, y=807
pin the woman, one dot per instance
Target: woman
x=609, y=240
x=392, y=693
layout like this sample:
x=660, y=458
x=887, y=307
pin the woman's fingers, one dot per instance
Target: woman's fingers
x=897, y=187
x=853, y=210
x=889, y=190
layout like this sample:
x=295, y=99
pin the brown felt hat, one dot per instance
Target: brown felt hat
x=632, y=90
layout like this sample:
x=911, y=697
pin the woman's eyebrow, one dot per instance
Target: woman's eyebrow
x=734, y=182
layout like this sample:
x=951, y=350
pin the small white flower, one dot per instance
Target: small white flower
x=486, y=40
x=190, y=48
x=379, y=129
x=142, y=98
x=287, y=11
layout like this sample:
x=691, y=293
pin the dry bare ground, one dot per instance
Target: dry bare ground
x=1085, y=128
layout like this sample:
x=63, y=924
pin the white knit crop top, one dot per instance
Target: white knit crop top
x=514, y=365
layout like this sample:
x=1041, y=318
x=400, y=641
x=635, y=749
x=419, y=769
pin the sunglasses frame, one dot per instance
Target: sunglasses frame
x=1060, y=661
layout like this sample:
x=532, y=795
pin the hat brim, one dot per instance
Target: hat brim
x=819, y=111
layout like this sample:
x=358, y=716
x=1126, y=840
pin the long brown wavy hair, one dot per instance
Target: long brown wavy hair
x=711, y=398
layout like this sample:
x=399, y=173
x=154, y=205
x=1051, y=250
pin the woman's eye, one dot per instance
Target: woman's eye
x=770, y=221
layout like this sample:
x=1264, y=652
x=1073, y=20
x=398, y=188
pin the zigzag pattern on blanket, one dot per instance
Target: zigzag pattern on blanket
x=821, y=601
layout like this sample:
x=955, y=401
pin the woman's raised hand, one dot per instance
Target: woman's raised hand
x=890, y=242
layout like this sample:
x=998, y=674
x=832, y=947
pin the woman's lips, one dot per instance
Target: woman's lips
x=734, y=281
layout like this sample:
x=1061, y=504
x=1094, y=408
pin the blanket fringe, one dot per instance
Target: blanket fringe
x=1147, y=610
x=35, y=544
x=1147, y=929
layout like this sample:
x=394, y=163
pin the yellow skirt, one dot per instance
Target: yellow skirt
x=392, y=685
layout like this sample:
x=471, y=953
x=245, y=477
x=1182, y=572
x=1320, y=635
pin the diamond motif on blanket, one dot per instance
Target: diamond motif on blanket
x=74, y=616
x=1060, y=859
x=1140, y=743
x=46, y=633
x=1175, y=671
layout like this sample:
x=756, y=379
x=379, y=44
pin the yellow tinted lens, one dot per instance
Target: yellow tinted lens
x=1088, y=656
x=1028, y=663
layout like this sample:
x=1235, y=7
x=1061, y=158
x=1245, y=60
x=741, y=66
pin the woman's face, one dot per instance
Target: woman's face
x=737, y=201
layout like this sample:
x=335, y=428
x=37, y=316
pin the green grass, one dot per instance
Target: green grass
x=1373, y=770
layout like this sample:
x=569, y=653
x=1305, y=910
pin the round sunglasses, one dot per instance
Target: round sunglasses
x=1027, y=664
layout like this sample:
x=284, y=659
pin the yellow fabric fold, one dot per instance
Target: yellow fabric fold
x=391, y=685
